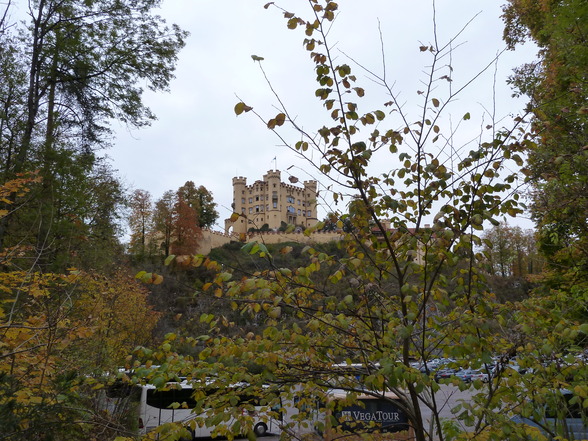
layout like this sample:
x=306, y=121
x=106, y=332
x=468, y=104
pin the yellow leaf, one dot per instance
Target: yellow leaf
x=242, y=107
x=280, y=119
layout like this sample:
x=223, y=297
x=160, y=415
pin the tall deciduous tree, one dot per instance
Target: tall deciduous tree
x=163, y=220
x=140, y=221
x=557, y=88
x=511, y=251
x=186, y=232
x=76, y=66
x=201, y=200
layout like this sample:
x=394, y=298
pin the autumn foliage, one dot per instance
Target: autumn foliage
x=58, y=332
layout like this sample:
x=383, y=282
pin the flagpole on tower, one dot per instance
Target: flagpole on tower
x=275, y=163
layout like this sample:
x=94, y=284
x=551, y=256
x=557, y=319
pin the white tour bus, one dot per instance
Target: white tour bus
x=152, y=407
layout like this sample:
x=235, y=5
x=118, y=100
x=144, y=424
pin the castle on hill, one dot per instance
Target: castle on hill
x=264, y=207
x=267, y=204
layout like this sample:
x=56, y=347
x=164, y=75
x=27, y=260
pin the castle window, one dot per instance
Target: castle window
x=242, y=200
x=250, y=200
x=250, y=210
x=256, y=198
x=257, y=208
x=275, y=204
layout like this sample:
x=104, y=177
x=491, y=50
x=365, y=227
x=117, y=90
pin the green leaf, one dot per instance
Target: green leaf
x=248, y=247
x=380, y=115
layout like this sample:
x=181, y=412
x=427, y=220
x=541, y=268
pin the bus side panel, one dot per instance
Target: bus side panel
x=156, y=407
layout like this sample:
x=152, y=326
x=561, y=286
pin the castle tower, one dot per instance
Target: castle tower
x=238, y=205
x=273, y=183
x=311, y=196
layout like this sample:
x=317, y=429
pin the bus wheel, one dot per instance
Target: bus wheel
x=260, y=429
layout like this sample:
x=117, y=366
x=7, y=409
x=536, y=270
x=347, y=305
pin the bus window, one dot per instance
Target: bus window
x=159, y=407
x=163, y=399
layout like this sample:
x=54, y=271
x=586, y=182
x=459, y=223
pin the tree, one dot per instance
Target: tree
x=557, y=89
x=140, y=221
x=73, y=69
x=186, y=232
x=163, y=220
x=60, y=333
x=176, y=219
x=512, y=261
x=200, y=199
x=511, y=251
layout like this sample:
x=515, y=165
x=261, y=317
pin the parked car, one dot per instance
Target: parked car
x=445, y=373
x=432, y=365
x=477, y=374
x=464, y=375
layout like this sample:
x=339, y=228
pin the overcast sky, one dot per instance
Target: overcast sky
x=197, y=135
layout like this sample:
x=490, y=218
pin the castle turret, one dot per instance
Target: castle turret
x=238, y=206
x=311, y=196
